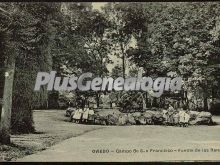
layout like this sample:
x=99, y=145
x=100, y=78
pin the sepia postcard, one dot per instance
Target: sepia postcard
x=109, y=81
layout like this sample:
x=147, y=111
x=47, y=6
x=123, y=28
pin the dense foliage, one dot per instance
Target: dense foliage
x=181, y=39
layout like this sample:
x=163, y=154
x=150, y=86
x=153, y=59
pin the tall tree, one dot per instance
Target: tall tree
x=118, y=33
x=8, y=54
x=176, y=37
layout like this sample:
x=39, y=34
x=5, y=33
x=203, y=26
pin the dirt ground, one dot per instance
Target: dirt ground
x=136, y=143
x=52, y=127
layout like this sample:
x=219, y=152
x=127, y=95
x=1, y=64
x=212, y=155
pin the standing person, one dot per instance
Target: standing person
x=91, y=116
x=85, y=115
x=72, y=114
x=182, y=118
x=165, y=116
x=78, y=115
x=170, y=112
x=176, y=118
x=186, y=119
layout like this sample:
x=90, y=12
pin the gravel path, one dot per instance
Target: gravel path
x=137, y=143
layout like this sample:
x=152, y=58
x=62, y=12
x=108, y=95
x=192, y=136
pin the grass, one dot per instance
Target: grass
x=51, y=127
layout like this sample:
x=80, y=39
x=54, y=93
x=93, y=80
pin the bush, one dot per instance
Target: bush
x=130, y=101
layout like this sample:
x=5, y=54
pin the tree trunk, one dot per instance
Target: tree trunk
x=2, y=79
x=205, y=101
x=5, y=123
x=110, y=104
x=97, y=99
x=186, y=101
x=123, y=65
x=123, y=59
x=144, y=101
x=154, y=104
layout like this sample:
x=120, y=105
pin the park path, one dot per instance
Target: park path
x=136, y=140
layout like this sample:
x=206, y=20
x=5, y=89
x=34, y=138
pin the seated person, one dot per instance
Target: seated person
x=78, y=115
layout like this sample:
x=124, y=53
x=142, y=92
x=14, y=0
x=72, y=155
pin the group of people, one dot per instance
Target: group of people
x=85, y=115
x=171, y=116
x=176, y=117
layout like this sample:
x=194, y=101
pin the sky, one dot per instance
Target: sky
x=98, y=5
